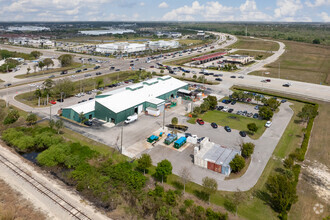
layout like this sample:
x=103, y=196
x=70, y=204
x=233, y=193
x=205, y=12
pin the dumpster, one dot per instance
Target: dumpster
x=180, y=142
x=152, y=138
x=170, y=138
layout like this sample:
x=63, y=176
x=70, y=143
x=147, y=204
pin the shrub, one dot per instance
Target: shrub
x=252, y=127
x=265, y=112
x=229, y=205
x=237, y=164
x=12, y=117
x=247, y=149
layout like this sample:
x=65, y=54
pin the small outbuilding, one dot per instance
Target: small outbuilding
x=214, y=157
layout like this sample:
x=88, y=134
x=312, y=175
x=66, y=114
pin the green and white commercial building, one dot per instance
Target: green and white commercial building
x=115, y=106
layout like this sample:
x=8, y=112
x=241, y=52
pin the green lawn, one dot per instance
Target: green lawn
x=255, y=44
x=234, y=121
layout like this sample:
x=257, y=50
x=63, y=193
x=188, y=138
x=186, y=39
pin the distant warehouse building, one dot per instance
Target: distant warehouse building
x=115, y=106
x=214, y=157
x=121, y=47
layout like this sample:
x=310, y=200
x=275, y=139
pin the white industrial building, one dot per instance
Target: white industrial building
x=121, y=47
x=31, y=42
x=214, y=157
x=162, y=44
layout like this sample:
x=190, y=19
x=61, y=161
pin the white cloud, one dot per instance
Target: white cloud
x=287, y=8
x=142, y=3
x=250, y=12
x=163, y=5
x=317, y=3
x=325, y=17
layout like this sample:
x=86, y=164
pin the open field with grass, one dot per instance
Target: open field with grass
x=234, y=121
x=257, y=55
x=254, y=44
x=56, y=70
x=312, y=188
x=14, y=206
x=301, y=62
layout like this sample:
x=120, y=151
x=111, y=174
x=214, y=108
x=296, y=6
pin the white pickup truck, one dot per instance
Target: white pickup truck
x=131, y=118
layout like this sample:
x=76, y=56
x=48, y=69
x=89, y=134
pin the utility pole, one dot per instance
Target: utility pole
x=164, y=119
x=50, y=112
x=279, y=70
x=245, y=31
x=121, y=137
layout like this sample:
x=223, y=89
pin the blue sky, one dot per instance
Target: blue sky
x=167, y=10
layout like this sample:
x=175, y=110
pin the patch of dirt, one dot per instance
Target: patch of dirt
x=318, y=175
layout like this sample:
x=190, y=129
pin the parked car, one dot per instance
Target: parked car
x=227, y=128
x=98, y=73
x=117, y=69
x=64, y=72
x=84, y=69
x=249, y=114
x=268, y=80
x=200, y=121
x=225, y=109
x=242, y=133
x=84, y=100
x=233, y=77
x=60, y=100
x=90, y=98
x=218, y=79
x=214, y=125
x=88, y=74
x=52, y=76
x=241, y=77
x=255, y=115
x=220, y=107
x=230, y=110
x=268, y=124
x=112, y=68
x=286, y=85
x=53, y=102
x=199, y=140
x=78, y=71
x=233, y=102
x=88, y=123
x=256, y=107
x=283, y=100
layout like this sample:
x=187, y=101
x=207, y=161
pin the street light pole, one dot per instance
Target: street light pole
x=164, y=118
x=121, y=137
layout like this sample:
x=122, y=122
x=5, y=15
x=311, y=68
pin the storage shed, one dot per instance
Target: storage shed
x=214, y=157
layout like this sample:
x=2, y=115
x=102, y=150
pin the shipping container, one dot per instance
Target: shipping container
x=170, y=139
x=180, y=142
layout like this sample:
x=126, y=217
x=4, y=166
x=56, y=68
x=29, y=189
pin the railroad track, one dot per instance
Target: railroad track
x=74, y=212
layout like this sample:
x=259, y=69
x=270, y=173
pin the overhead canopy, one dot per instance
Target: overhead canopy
x=209, y=56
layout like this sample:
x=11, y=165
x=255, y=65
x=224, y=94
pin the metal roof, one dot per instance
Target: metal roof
x=127, y=99
x=84, y=107
x=209, y=56
x=220, y=155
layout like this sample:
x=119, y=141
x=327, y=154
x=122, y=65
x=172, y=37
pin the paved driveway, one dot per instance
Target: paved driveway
x=264, y=148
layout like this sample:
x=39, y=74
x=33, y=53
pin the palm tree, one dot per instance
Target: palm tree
x=82, y=117
x=28, y=70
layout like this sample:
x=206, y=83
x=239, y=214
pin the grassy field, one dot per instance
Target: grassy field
x=310, y=188
x=190, y=41
x=255, y=44
x=234, y=121
x=302, y=62
x=56, y=70
x=254, y=54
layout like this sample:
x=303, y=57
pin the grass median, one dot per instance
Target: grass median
x=234, y=121
x=56, y=70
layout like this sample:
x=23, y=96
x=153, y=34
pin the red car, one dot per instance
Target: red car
x=53, y=102
x=267, y=80
x=200, y=121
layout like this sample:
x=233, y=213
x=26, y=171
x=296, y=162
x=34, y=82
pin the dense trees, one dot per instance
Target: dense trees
x=59, y=125
x=265, y=112
x=237, y=164
x=65, y=60
x=48, y=62
x=212, y=101
x=282, y=192
x=144, y=162
x=210, y=186
x=12, y=117
x=307, y=112
x=247, y=149
x=163, y=169
x=31, y=119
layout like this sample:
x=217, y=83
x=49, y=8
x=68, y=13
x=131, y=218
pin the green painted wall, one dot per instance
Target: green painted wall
x=72, y=115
